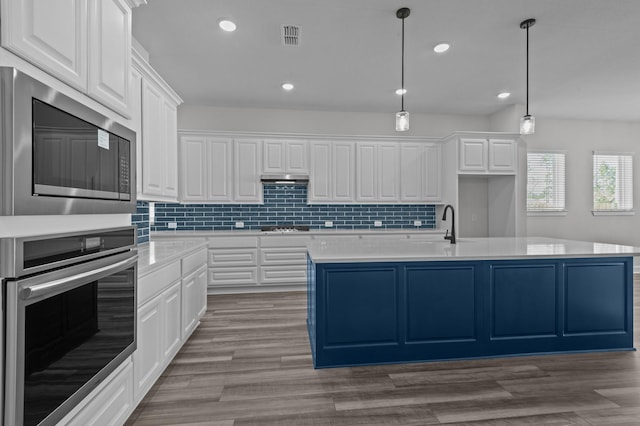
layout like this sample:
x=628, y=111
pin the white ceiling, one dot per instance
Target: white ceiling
x=585, y=55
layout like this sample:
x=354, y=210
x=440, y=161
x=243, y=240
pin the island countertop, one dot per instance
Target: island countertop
x=401, y=250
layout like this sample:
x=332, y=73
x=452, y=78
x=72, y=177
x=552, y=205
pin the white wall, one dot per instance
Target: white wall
x=579, y=138
x=193, y=117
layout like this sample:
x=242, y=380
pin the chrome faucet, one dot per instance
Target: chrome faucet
x=451, y=237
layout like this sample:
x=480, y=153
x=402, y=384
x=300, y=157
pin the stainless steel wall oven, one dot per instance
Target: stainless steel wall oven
x=70, y=318
x=59, y=156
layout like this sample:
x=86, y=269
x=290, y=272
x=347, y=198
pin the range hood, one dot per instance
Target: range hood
x=285, y=179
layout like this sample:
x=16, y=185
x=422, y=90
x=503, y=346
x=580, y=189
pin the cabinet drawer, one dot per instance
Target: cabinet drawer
x=194, y=261
x=271, y=275
x=157, y=281
x=274, y=256
x=233, y=276
x=233, y=242
x=233, y=257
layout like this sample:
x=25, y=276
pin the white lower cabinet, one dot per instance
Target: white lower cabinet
x=233, y=262
x=149, y=356
x=193, y=299
x=240, y=264
x=171, y=301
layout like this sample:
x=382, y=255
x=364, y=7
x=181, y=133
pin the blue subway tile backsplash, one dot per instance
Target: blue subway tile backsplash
x=141, y=220
x=283, y=205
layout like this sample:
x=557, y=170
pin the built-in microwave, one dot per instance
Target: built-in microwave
x=60, y=156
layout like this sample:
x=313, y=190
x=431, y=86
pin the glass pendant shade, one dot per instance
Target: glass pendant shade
x=527, y=125
x=402, y=121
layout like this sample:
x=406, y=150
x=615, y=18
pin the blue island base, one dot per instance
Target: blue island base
x=396, y=312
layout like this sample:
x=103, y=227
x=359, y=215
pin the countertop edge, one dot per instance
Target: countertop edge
x=184, y=247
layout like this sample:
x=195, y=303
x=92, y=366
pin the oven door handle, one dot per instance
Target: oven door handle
x=68, y=283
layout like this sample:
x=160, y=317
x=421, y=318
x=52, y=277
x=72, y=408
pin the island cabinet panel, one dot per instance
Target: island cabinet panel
x=596, y=302
x=524, y=301
x=438, y=313
x=373, y=321
x=390, y=312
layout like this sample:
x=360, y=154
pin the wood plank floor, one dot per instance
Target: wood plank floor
x=249, y=363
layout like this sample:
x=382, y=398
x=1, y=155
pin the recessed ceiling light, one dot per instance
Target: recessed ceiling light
x=503, y=95
x=287, y=86
x=401, y=92
x=227, y=25
x=441, y=48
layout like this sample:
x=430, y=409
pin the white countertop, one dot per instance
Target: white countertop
x=404, y=250
x=316, y=232
x=155, y=254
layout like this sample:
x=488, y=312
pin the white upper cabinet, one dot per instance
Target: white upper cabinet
x=281, y=157
x=110, y=52
x=86, y=44
x=377, y=172
x=332, y=172
x=247, y=166
x=486, y=155
x=420, y=172
x=432, y=172
x=366, y=172
x=502, y=155
x=216, y=169
x=50, y=34
x=155, y=103
x=205, y=169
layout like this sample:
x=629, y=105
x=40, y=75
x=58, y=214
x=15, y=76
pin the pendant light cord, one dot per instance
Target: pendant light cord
x=402, y=82
x=527, y=69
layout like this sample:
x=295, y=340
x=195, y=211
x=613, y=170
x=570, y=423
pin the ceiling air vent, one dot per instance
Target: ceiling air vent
x=291, y=35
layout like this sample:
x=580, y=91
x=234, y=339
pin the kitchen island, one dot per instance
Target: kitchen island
x=377, y=302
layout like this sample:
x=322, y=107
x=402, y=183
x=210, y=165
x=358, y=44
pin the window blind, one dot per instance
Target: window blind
x=545, y=181
x=612, y=182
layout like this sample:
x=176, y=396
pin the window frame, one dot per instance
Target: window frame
x=560, y=211
x=619, y=211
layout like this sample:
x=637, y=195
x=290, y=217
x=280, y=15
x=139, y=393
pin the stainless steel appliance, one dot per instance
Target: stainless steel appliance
x=59, y=156
x=70, y=316
x=284, y=228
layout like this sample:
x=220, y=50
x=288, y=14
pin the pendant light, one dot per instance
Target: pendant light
x=527, y=122
x=402, y=117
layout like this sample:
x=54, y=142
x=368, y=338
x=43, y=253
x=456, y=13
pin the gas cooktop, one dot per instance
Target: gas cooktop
x=284, y=228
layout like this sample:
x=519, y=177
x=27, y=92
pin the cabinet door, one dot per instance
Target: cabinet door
x=49, y=34
x=152, y=139
x=172, y=309
x=148, y=358
x=135, y=107
x=411, y=172
x=201, y=292
x=343, y=171
x=273, y=156
x=366, y=172
x=190, y=304
x=502, y=155
x=170, y=144
x=320, y=180
x=193, y=168
x=218, y=169
x=109, y=53
x=296, y=157
x=432, y=166
x=388, y=176
x=473, y=155
x=247, y=185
